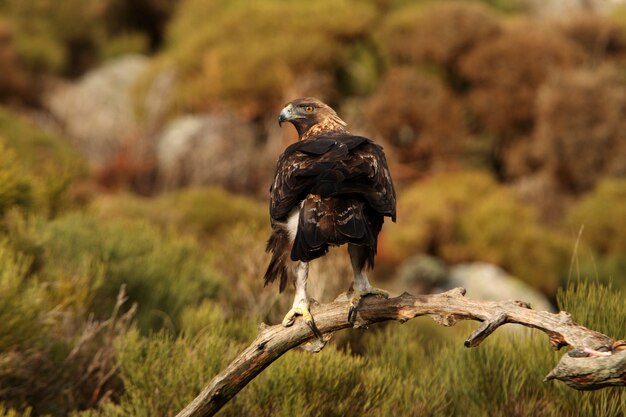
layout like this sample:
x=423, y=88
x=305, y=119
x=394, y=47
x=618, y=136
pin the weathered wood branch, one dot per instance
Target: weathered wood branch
x=596, y=361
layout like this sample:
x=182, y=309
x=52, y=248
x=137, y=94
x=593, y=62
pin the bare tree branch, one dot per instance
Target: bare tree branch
x=596, y=361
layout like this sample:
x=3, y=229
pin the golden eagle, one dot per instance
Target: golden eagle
x=331, y=187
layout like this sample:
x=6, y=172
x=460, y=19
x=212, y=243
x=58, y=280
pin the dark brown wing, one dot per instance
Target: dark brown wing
x=371, y=178
x=339, y=165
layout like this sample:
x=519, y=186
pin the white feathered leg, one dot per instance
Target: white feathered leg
x=300, y=305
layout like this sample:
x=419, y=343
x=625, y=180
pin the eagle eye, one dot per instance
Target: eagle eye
x=308, y=109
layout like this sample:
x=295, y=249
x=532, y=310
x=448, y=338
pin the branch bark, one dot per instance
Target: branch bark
x=596, y=361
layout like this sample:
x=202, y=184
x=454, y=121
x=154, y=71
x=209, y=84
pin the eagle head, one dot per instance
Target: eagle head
x=311, y=116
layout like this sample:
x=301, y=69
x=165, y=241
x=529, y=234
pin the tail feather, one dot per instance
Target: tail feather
x=331, y=221
x=278, y=267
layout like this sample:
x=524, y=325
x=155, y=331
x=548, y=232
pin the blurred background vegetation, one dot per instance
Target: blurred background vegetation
x=137, y=143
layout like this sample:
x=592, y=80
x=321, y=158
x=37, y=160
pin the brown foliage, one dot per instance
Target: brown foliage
x=438, y=33
x=598, y=35
x=248, y=54
x=581, y=127
x=77, y=369
x=505, y=73
x=132, y=167
x=14, y=82
x=419, y=116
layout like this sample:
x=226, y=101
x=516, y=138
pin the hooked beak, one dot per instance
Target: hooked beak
x=286, y=115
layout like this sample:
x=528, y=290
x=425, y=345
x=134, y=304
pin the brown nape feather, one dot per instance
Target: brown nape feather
x=322, y=120
x=329, y=122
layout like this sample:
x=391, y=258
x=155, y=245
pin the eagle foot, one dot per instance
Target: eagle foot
x=290, y=318
x=357, y=295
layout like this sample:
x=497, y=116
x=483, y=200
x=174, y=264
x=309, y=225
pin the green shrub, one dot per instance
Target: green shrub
x=228, y=226
x=53, y=357
x=22, y=303
x=47, y=44
x=408, y=353
x=205, y=212
x=600, y=214
x=467, y=216
x=415, y=369
x=504, y=374
x=214, y=319
x=331, y=383
x=162, y=272
x=15, y=187
x=47, y=160
x=162, y=373
x=207, y=40
x=10, y=412
x=596, y=306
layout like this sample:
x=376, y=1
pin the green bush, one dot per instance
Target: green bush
x=163, y=272
x=15, y=187
x=204, y=212
x=47, y=44
x=227, y=226
x=414, y=369
x=600, y=214
x=22, y=303
x=53, y=357
x=467, y=216
x=9, y=412
x=46, y=160
x=504, y=374
x=45, y=40
x=331, y=383
x=207, y=40
x=162, y=373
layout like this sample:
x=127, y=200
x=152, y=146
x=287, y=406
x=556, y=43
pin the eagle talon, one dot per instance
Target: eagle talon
x=314, y=329
x=352, y=314
x=290, y=318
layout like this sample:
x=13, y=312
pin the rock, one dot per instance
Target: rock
x=211, y=149
x=422, y=273
x=97, y=111
x=560, y=8
x=484, y=281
